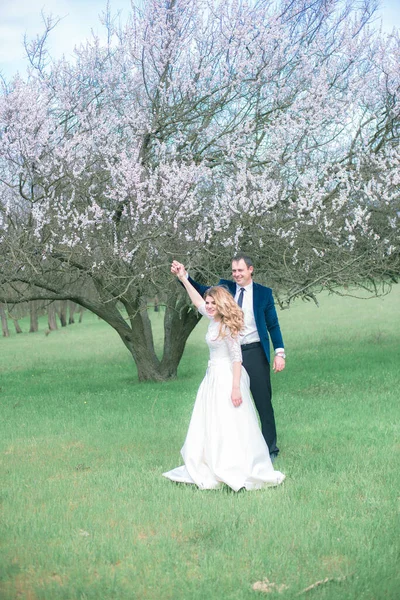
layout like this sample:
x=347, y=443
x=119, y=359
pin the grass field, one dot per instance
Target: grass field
x=85, y=513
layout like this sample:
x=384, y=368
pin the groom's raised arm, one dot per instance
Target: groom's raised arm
x=198, y=286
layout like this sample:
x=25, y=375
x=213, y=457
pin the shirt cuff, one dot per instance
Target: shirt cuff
x=277, y=350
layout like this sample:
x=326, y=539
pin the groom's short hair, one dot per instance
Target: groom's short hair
x=241, y=256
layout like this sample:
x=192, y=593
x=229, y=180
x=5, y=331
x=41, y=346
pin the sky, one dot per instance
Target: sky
x=79, y=18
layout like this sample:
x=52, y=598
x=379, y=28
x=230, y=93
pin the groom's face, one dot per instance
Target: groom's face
x=241, y=273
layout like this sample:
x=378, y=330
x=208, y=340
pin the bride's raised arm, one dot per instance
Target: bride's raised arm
x=179, y=270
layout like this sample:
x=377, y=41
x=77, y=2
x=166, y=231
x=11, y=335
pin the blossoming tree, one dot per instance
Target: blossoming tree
x=202, y=127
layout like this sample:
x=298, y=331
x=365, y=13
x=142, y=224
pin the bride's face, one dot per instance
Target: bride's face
x=211, y=307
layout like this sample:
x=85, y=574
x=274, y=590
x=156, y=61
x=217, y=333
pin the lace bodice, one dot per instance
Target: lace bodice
x=226, y=348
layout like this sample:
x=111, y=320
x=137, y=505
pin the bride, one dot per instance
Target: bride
x=224, y=444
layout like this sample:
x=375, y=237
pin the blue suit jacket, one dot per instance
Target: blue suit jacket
x=264, y=312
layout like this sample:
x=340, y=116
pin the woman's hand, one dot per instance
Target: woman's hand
x=236, y=396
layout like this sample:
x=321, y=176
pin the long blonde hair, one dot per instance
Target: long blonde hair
x=229, y=312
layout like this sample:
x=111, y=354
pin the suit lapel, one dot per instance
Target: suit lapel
x=255, y=298
x=256, y=303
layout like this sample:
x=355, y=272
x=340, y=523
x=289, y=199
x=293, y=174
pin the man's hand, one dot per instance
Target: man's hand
x=236, y=396
x=279, y=364
x=178, y=269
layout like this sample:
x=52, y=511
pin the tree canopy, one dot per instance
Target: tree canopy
x=200, y=128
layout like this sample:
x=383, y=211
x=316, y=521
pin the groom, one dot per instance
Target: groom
x=260, y=324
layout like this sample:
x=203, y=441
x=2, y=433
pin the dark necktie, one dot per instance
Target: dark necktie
x=240, y=299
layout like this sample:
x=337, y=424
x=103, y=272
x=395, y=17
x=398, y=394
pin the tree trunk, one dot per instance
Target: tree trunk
x=18, y=311
x=141, y=343
x=51, y=316
x=62, y=312
x=137, y=338
x=72, y=309
x=16, y=325
x=34, y=321
x=179, y=322
x=4, y=322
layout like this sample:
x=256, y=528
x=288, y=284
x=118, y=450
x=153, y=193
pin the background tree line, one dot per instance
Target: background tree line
x=63, y=312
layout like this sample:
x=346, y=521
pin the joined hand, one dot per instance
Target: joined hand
x=178, y=269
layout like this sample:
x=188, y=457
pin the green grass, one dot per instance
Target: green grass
x=85, y=513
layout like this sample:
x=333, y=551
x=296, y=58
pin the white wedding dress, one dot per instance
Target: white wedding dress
x=224, y=443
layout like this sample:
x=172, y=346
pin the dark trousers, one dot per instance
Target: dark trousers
x=257, y=366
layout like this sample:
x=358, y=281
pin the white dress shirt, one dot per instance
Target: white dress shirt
x=250, y=333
